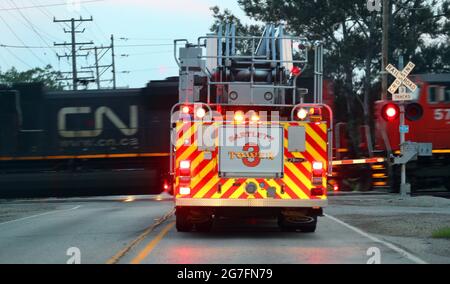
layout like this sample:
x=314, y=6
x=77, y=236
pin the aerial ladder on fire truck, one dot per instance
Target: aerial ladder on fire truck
x=244, y=143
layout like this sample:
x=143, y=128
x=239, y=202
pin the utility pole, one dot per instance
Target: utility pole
x=385, y=49
x=99, y=53
x=73, y=44
x=113, y=63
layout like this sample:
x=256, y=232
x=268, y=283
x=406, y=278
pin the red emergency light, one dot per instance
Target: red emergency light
x=296, y=71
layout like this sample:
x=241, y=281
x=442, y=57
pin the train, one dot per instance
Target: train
x=63, y=143
x=95, y=142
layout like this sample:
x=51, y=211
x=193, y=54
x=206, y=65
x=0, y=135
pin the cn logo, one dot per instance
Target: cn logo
x=253, y=159
x=100, y=115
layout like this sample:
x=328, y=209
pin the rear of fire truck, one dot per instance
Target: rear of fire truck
x=243, y=142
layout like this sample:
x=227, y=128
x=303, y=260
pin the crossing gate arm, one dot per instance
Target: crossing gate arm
x=359, y=161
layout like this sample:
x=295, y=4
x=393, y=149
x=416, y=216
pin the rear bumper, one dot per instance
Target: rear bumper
x=298, y=203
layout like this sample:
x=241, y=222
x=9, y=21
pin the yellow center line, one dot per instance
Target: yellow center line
x=151, y=246
x=116, y=258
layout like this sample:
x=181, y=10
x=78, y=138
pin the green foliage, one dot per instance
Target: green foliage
x=442, y=234
x=352, y=37
x=44, y=75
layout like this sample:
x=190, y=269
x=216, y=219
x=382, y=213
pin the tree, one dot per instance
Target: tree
x=352, y=38
x=44, y=75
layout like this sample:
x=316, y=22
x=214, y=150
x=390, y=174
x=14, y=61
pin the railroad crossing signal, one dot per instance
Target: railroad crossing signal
x=401, y=79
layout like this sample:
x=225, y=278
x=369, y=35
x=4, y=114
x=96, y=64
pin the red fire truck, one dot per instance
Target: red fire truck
x=244, y=142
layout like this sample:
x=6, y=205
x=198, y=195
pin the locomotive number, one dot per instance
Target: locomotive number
x=442, y=114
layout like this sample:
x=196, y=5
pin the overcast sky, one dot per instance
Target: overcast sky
x=147, y=22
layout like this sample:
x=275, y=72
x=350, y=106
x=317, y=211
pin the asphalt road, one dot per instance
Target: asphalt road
x=141, y=231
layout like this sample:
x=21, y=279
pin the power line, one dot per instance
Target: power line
x=32, y=26
x=47, y=5
x=46, y=47
x=20, y=40
x=19, y=59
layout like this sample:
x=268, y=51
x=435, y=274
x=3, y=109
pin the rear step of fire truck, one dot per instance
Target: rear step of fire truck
x=243, y=142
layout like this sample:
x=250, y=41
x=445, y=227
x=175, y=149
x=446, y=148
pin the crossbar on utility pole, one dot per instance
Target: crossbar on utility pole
x=97, y=65
x=73, y=31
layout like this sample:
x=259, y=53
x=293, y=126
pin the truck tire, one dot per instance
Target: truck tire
x=183, y=223
x=310, y=228
x=204, y=227
x=287, y=226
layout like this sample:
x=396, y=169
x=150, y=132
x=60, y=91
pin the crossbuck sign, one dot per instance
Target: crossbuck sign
x=401, y=80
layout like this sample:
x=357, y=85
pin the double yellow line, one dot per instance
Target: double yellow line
x=144, y=253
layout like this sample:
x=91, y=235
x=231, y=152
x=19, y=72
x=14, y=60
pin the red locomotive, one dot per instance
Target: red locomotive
x=428, y=118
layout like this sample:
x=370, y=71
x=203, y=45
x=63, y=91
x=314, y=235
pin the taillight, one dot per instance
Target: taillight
x=185, y=190
x=336, y=187
x=317, y=173
x=318, y=166
x=317, y=192
x=185, y=168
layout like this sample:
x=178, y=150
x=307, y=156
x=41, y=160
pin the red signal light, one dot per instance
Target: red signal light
x=390, y=112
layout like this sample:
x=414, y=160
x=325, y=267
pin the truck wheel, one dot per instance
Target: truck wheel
x=289, y=226
x=182, y=222
x=310, y=228
x=204, y=227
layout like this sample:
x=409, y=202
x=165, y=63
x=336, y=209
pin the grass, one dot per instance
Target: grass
x=442, y=233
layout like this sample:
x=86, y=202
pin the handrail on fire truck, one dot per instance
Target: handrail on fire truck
x=275, y=50
x=330, y=129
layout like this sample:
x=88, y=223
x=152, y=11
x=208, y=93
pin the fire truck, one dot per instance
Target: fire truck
x=244, y=142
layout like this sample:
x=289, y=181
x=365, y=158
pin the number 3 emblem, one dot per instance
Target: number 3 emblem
x=254, y=154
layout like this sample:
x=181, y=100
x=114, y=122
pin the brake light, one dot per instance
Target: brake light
x=317, y=173
x=336, y=187
x=317, y=192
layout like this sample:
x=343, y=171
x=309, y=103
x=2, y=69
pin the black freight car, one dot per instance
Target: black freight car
x=84, y=142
